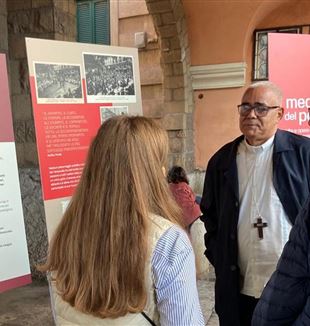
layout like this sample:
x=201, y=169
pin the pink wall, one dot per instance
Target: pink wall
x=215, y=121
x=216, y=30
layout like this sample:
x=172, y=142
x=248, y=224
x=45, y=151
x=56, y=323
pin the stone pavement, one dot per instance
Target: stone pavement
x=26, y=306
x=206, y=296
x=30, y=305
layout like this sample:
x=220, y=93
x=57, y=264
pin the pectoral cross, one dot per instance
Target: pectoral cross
x=260, y=225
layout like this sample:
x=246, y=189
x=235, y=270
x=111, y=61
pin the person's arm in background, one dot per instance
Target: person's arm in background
x=174, y=273
x=209, y=214
x=286, y=297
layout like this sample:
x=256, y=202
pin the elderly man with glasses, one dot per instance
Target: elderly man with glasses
x=254, y=188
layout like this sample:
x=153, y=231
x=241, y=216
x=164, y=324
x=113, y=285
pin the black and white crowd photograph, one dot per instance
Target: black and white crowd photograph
x=107, y=112
x=58, y=81
x=109, y=76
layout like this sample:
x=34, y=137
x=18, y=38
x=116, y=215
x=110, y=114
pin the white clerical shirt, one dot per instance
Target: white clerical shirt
x=258, y=257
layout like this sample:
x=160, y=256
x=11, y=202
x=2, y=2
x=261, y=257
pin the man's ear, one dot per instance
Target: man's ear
x=281, y=113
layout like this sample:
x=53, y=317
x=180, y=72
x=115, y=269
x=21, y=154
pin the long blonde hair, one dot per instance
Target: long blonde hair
x=100, y=248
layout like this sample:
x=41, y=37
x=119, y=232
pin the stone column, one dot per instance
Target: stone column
x=170, y=24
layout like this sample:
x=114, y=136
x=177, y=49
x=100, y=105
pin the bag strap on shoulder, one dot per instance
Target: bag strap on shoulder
x=148, y=318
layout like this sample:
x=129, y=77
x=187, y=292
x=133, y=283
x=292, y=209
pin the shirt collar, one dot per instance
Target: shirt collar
x=261, y=148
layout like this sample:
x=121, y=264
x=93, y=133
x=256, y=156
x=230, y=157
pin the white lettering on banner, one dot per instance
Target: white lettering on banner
x=303, y=117
x=65, y=176
x=297, y=103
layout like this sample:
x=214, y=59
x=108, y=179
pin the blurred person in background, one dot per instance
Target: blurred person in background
x=184, y=195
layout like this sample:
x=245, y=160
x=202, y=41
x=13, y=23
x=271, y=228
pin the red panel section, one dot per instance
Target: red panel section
x=63, y=132
x=14, y=282
x=6, y=125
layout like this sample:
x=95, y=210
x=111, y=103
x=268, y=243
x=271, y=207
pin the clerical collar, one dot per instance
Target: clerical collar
x=260, y=148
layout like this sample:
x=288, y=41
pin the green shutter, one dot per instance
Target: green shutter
x=93, y=21
x=84, y=18
x=102, y=22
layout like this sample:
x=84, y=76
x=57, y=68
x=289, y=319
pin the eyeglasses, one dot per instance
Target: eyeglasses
x=260, y=110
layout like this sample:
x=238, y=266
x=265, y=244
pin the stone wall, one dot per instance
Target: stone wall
x=3, y=27
x=34, y=217
x=49, y=19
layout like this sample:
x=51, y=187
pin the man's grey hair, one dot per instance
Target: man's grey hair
x=271, y=86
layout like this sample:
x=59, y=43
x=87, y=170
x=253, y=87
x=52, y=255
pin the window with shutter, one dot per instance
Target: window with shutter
x=93, y=21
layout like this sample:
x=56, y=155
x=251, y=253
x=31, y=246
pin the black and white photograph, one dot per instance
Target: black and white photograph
x=58, y=83
x=107, y=112
x=109, y=77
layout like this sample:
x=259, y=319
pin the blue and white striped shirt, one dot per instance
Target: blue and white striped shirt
x=174, y=274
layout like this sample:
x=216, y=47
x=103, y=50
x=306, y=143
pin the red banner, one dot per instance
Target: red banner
x=289, y=66
x=63, y=133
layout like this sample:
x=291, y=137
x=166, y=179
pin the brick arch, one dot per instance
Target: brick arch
x=170, y=25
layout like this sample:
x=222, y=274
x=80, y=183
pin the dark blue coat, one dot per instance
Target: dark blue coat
x=220, y=208
x=286, y=297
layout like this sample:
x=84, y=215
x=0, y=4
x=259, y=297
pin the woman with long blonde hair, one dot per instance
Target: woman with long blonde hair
x=119, y=255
